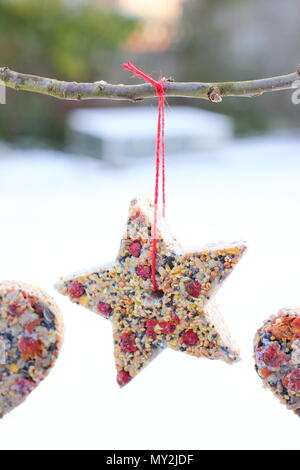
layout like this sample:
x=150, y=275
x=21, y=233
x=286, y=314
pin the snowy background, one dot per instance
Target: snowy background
x=61, y=213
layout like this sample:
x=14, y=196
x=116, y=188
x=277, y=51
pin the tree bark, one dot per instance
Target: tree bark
x=102, y=90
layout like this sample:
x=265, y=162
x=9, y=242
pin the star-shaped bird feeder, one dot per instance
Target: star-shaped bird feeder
x=179, y=313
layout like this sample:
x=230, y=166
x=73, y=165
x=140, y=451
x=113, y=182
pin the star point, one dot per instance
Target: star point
x=180, y=314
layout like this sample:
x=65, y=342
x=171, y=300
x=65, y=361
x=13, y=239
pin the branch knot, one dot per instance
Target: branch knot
x=214, y=95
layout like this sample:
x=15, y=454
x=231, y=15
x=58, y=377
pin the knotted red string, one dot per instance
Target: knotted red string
x=159, y=158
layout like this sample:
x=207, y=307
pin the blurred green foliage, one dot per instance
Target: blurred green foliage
x=56, y=38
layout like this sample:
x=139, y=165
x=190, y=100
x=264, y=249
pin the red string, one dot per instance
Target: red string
x=159, y=158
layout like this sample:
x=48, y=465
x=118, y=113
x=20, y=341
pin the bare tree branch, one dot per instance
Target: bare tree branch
x=102, y=90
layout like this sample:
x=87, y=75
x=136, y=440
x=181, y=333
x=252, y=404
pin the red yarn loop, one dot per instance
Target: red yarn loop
x=159, y=158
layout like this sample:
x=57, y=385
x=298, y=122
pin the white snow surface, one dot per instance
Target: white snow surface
x=61, y=213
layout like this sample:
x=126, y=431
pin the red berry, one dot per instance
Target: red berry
x=135, y=249
x=29, y=346
x=167, y=327
x=193, y=288
x=143, y=271
x=105, y=309
x=32, y=300
x=190, y=338
x=31, y=325
x=175, y=319
x=150, y=332
x=271, y=356
x=128, y=342
x=296, y=324
x=286, y=320
x=138, y=216
x=292, y=381
x=75, y=289
x=150, y=324
x=18, y=308
x=123, y=378
x=23, y=386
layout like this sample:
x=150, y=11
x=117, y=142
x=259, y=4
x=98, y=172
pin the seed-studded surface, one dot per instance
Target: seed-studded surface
x=30, y=338
x=277, y=356
x=180, y=314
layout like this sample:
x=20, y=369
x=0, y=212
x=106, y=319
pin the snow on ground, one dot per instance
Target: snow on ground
x=61, y=213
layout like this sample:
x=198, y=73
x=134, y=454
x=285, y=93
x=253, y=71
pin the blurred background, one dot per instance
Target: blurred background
x=68, y=171
x=190, y=40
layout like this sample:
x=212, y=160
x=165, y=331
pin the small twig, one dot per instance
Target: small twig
x=102, y=90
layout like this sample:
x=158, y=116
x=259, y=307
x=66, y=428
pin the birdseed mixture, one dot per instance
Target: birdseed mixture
x=30, y=338
x=179, y=315
x=277, y=356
